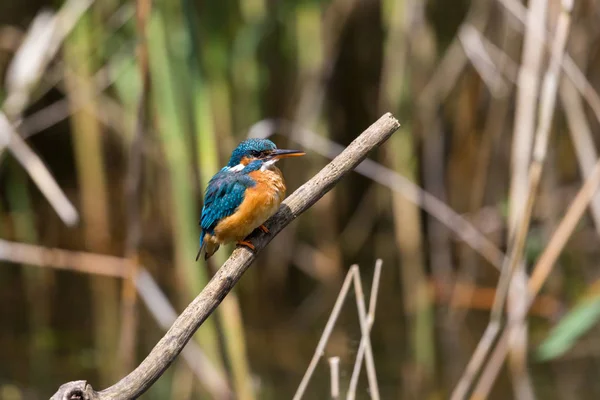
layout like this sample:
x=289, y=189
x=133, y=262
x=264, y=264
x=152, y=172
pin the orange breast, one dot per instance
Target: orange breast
x=260, y=203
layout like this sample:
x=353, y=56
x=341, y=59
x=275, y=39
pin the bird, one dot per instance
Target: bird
x=242, y=195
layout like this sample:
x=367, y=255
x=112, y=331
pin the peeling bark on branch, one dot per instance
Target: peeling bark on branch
x=164, y=353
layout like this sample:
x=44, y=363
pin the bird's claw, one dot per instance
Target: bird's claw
x=264, y=228
x=247, y=244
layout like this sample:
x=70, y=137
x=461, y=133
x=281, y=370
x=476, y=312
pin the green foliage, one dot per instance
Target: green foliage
x=574, y=325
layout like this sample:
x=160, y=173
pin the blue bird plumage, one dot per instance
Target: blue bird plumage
x=250, y=167
x=250, y=147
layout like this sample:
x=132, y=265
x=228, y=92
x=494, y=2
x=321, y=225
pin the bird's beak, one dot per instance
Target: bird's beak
x=281, y=153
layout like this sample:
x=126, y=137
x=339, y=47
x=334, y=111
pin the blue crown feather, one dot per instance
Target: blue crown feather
x=247, y=147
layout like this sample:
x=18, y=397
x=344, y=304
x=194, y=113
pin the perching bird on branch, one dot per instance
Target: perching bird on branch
x=242, y=195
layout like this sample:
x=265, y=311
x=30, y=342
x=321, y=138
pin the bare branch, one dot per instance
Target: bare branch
x=164, y=353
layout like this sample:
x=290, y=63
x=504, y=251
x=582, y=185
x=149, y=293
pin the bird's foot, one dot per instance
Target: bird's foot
x=264, y=228
x=246, y=243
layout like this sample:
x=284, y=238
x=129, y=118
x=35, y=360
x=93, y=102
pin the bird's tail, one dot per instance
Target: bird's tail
x=208, y=246
x=202, y=243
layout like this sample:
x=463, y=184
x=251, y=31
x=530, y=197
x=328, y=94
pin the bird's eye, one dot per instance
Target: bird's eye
x=255, y=153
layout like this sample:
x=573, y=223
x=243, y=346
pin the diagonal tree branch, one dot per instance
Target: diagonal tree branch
x=167, y=349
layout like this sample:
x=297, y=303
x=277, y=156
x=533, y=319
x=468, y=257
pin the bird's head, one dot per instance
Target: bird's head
x=258, y=152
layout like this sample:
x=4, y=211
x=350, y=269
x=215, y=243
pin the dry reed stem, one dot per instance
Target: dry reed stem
x=521, y=150
x=35, y=53
x=476, y=361
x=495, y=124
x=475, y=50
x=542, y=270
x=454, y=61
x=572, y=71
x=518, y=341
x=524, y=125
x=319, y=351
x=504, y=63
x=38, y=172
x=351, y=394
x=570, y=91
x=518, y=233
x=494, y=364
x=65, y=107
x=89, y=263
x=334, y=368
x=365, y=330
x=581, y=136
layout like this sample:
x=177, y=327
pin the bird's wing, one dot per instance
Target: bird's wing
x=224, y=194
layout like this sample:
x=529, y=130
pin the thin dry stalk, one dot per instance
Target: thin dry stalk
x=541, y=271
x=89, y=263
x=453, y=63
x=365, y=330
x=476, y=361
x=522, y=144
x=494, y=126
x=371, y=318
x=518, y=341
x=494, y=364
x=40, y=46
x=38, y=172
x=496, y=120
x=581, y=135
x=571, y=70
x=528, y=84
x=475, y=49
x=569, y=91
x=65, y=107
x=518, y=233
x=505, y=64
x=334, y=368
x=337, y=308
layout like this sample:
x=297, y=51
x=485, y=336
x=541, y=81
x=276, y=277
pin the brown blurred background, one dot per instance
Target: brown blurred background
x=131, y=107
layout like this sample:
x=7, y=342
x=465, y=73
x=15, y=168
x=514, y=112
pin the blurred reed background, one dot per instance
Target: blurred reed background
x=115, y=114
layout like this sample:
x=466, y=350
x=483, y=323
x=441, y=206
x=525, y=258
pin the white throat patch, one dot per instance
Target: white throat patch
x=237, y=168
x=268, y=164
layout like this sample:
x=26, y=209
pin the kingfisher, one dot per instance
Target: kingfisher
x=242, y=195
